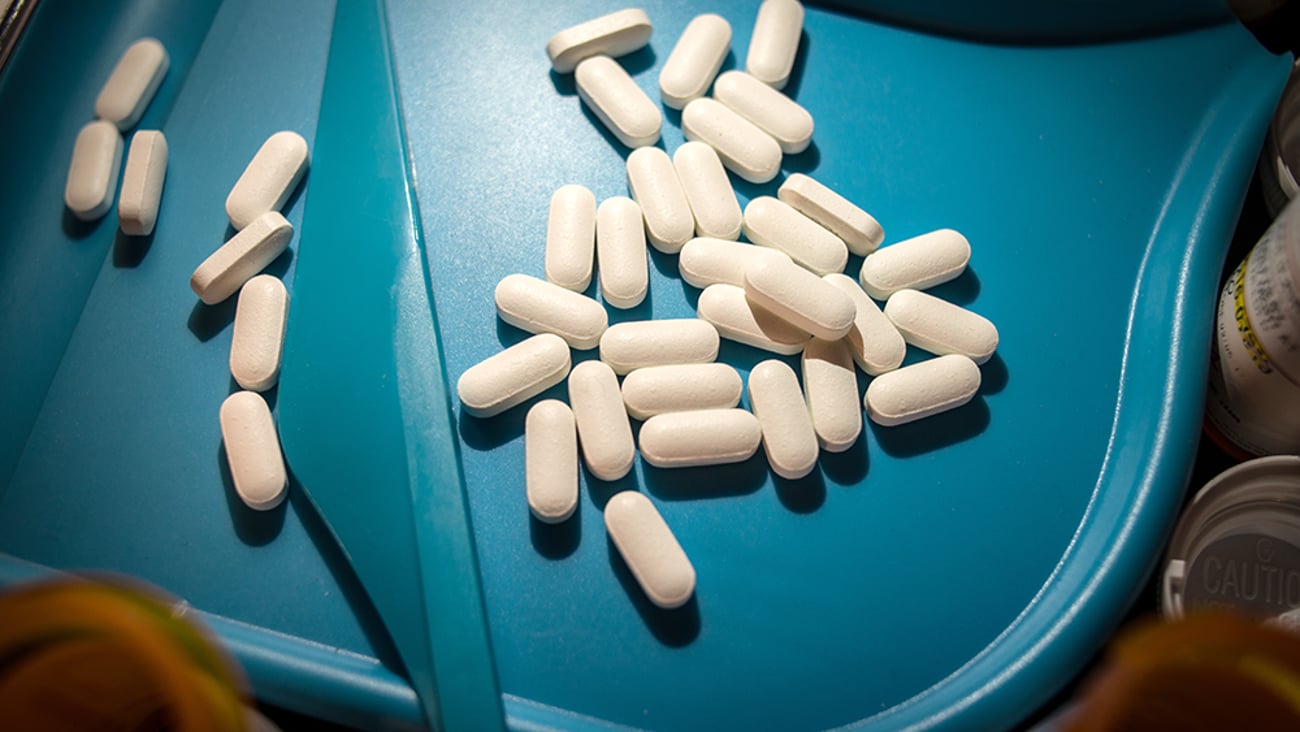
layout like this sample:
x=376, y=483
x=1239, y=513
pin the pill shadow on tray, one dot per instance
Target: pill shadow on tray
x=675, y=628
x=129, y=251
x=206, y=321
x=710, y=481
x=254, y=528
x=556, y=541
x=848, y=467
x=77, y=229
x=935, y=432
x=600, y=491
x=962, y=290
x=488, y=433
x=801, y=495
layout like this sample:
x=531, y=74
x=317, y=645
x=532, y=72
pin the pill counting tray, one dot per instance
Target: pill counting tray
x=950, y=573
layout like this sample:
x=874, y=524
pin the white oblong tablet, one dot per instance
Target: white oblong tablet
x=800, y=297
x=571, y=237
x=921, y=390
x=917, y=263
x=514, y=375
x=941, y=327
x=641, y=343
x=258, y=339
x=268, y=179
x=876, y=344
x=700, y=437
x=771, y=223
x=615, y=34
x=746, y=150
x=695, y=60
x=708, y=191
x=775, y=41
x=132, y=84
x=538, y=306
x=653, y=183
x=616, y=100
x=737, y=319
x=236, y=261
x=620, y=251
x=651, y=551
x=253, y=450
x=603, y=429
x=858, y=229
x=830, y=385
x=680, y=388
x=551, y=461
x=142, y=183
x=92, y=174
x=788, y=436
x=704, y=261
x=776, y=114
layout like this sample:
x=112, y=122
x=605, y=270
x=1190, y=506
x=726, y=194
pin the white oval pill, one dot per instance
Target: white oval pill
x=921, y=390
x=680, y=388
x=132, y=84
x=858, y=229
x=695, y=60
x=830, y=386
x=700, y=437
x=771, y=223
x=708, y=192
x=551, y=461
x=142, y=183
x=603, y=429
x=736, y=318
x=876, y=344
x=617, y=101
x=653, y=183
x=253, y=450
x=641, y=343
x=258, y=339
x=514, y=375
x=268, y=179
x=571, y=237
x=236, y=261
x=941, y=327
x=917, y=263
x=92, y=174
x=651, y=551
x=775, y=41
x=788, y=436
x=706, y=261
x=538, y=306
x=615, y=34
x=776, y=114
x=621, y=253
x=746, y=150
x=800, y=297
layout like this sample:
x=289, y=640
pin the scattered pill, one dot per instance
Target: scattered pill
x=571, y=237
x=132, y=84
x=788, y=437
x=708, y=191
x=621, y=253
x=921, y=390
x=771, y=223
x=641, y=343
x=700, y=437
x=246, y=254
x=695, y=60
x=858, y=229
x=603, y=428
x=92, y=174
x=706, y=261
x=617, y=101
x=615, y=34
x=773, y=112
x=652, y=180
x=746, y=150
x=551, y=461
x=514, y=375
x=876, y=344
x=775, y=41
x=538, y=306
x=800, y=297
x=142, y=183
x=830, y=385
x=258, y=339
x=253, y=450
x=941, y=327
x=268, y=180
x=737, y=319
x=917, y=263
x=651, y=551
x=680, y=388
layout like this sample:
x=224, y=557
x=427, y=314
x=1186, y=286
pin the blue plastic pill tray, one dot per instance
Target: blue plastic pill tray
x=950, y=573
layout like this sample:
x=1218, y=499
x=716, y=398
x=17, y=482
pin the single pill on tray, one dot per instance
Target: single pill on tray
x=738, y=319
x=788, y=436
x=92, y=174
x=941, y=327
x=800, y=297
x=253, y=450
x=776, y=114
x=653, y=183
x=704, y=261
x=680, y=388
x=830, y=386
x=604, y=432
x=771, y=223
x=858, y=229
x=775, y=41
x=538, y=306
x=708, y=191
x=551, y=461
x=695, y=60
x=621, y=253
x=615, y=34
x=700, y=437
x=641, y=343
x=514, y=375
x=246, y=254
x=746, y=150
x=132, y=84
x=616, y=100
x=876, y=344
x=921, y=390
x=268, y=180
x=651, y=551
x=258, y=338
x=571, y=237
x=917, y=263
x=142, y=183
